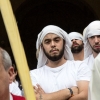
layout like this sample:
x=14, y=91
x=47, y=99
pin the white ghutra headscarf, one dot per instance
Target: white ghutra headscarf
x=91, y=30
x=75, y=35
x=42, y=59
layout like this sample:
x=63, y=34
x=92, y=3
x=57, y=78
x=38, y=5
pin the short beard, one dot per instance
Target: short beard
x=77, y=49
x=55, y=57
x=96, y=51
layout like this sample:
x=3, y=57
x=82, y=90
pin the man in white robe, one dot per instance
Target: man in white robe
x=91, y=36
x=92, y=57
x=57, y=73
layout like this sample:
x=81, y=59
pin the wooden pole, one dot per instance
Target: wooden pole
x=17, y=48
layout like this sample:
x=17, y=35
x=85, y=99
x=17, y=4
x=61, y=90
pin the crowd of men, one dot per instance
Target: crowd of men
x=65, y=66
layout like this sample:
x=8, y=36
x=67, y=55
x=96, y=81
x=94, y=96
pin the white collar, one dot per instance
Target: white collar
x=11, y=98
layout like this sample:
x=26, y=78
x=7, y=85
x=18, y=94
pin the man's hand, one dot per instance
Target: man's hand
x=38, y=89
x=38, y=92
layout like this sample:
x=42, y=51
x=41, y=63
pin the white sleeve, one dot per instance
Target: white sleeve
x=84, y=73
x=33, y=77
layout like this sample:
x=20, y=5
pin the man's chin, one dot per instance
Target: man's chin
x=96, y=50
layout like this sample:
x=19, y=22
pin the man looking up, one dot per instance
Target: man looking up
x=77, y=47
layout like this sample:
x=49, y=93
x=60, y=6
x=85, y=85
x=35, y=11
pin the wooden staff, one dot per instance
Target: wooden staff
x=17, y=48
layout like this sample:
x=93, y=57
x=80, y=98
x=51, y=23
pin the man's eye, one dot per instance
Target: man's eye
x=92, y=37
x=57, y=40
x=47, y=42
x=98, y=36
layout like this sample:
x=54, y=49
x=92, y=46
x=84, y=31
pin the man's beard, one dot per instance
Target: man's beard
x=55, y=57
x=77, y=49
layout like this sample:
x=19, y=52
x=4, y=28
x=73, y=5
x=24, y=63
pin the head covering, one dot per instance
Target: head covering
x=42, y=59
x=91, y=30
x=75, y=35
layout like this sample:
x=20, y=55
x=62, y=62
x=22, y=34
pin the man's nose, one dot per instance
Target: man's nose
x=73, y=40
x=96, y=39
x=52, y=44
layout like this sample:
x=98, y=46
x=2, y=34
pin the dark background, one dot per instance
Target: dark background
x=33, y=15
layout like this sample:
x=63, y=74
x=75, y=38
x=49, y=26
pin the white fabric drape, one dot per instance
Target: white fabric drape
x=75, y=35
x=94, y=86
x=42, y=59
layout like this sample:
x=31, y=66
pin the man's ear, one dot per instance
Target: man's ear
x=11, y=74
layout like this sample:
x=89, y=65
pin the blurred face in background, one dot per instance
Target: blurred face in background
x=77, y=46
